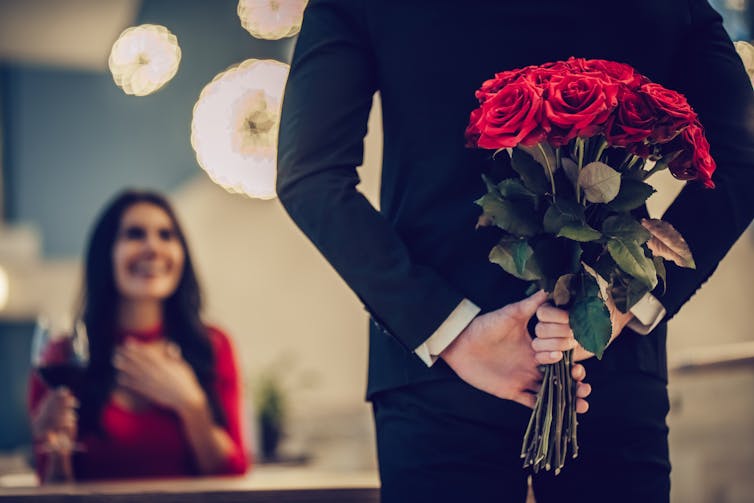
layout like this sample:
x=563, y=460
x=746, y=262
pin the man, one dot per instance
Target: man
x=451, y=365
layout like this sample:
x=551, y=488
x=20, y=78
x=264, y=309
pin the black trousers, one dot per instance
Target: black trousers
x=446, y=441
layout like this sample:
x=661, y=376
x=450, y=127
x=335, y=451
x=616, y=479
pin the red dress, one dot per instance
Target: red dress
x=151, y=443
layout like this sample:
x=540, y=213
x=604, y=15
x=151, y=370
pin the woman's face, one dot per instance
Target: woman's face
x=147, y=255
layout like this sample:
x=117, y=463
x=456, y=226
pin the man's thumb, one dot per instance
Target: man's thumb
x=529, y=305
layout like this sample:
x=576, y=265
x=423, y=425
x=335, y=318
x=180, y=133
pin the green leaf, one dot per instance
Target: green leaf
x=631, y=259
x=561, y=294
x=514, y=217
x=632, y=194
x=542, y=159
x=579, y=232
x=555, y=257
x=600, y=182
x=491, y=186
x=661, y=273
x=514, y=189
x=531, y=172
x=605, y=266
x=625, y=227
x=588, y=286
x=626, y=292
x=589, y=319
x=565, y=218
x=571, y=169
x=516, y=257
x=561, y=213
x=668, y=243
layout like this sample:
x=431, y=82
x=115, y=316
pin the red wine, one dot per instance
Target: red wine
x=61, y=375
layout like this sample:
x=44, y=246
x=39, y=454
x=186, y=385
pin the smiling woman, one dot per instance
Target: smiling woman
x=161, y=395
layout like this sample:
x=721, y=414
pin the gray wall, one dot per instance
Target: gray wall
x=72, y=138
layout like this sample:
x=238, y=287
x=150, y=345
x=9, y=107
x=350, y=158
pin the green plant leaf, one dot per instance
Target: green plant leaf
x=536, y=153
x=626, y=228
x=561, y=294
x=555, y=257
x=589, y=319
x=561, y=213
x=668, y=243
x=571, y=169
x=531, y=172
x=600, y=182
x=491, y=186
x=631, y=259
x=632, y=194
x=605, y=266
x=516, y=257
x=514, y=189
x=579, y=232
x=565, y=218
x=626, y=292
x=514, y=217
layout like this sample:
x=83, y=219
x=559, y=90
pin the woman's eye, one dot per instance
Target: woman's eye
x=167, y=234
x=134, y=233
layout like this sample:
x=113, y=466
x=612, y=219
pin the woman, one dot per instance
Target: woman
x=161, y=397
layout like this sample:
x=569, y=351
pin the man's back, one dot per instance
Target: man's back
x=427, y=58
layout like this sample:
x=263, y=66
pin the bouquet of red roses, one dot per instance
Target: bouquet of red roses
x=578, y=139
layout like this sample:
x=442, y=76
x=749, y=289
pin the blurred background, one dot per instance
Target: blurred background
x=70, y=138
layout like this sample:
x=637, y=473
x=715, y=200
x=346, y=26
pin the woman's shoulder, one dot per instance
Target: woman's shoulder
x=221, y=341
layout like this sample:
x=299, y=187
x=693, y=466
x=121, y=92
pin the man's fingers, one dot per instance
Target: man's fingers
x=583, y=390
x=550, y=314
x=557, y=344
x=578, y=372
x=582, y=406
x=546, y=357
x=527, y=307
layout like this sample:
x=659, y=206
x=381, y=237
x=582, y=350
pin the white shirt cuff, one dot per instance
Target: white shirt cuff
x=447, y=332
x=648, y=313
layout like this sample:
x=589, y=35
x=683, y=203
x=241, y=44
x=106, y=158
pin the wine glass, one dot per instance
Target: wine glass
x=60, y=356
x=60, y=352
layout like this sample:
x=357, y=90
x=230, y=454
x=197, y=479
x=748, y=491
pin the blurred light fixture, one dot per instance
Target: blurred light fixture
x=234, y=130
x=144, y=58
x=746, y=51
x=4, y=288
x=271, y=19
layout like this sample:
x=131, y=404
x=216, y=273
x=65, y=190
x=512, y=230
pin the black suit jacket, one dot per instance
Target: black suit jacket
x=413, y=262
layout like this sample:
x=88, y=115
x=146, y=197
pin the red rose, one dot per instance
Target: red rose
x=633, y=119
x=472, y=130
x=577, y=105
x=510, y=117
x=695, y=161
x=611, y=71
x=493, y=85
x=674, y=112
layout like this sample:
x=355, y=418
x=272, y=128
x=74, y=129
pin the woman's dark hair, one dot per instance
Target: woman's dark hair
x=99, y=300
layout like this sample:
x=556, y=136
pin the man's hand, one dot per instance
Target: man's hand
x=553, y=326
x=494, y=354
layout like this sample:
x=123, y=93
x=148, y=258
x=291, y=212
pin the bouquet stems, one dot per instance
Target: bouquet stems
x=552, y=426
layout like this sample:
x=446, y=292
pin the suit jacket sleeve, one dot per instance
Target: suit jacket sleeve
x=712, y=76
x=327, y=101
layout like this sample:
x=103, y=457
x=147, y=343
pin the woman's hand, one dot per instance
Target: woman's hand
x=157, y=371
x=55, y=420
